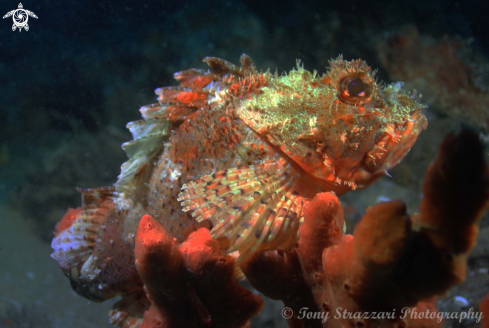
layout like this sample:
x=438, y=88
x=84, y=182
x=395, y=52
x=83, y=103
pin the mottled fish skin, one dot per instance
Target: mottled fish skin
x=341, y=140
x=239, y=152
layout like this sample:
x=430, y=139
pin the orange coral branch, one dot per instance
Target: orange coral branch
x=192, y=284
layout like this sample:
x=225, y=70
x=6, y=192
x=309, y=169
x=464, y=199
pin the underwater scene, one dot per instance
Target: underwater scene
x=244, y=164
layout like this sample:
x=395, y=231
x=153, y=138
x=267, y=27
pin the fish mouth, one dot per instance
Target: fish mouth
x=386, y=153
x=393, y=146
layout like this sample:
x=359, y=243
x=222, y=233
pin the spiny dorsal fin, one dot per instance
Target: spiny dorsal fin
x=179, y=95
x=96, y=196
x=195, y=78
x=149, y=137
x=247, y=64
x=220, y=66
x=167, y=112
x=175, y=104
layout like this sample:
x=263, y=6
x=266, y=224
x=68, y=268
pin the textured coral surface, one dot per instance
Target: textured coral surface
x=191, y=285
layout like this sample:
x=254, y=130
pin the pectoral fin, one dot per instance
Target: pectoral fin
x=254, y=207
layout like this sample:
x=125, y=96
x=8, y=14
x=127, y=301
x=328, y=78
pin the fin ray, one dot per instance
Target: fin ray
x=194, y=78
x=244, y=205
x=149, y=137
x=73, y=247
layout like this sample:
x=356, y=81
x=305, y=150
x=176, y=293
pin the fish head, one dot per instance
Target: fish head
x=342, y=129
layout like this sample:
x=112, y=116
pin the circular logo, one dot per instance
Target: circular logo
x=287, y=313
x=20, y=18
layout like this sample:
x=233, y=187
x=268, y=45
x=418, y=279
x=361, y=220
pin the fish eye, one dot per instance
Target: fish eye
x=354, y=89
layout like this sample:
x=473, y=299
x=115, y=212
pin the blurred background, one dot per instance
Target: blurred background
x=70, y=84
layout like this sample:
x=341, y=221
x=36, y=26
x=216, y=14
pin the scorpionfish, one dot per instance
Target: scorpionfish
x=240, y=152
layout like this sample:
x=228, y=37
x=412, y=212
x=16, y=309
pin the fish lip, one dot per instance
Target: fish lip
x=397, y=142
x=392, y=147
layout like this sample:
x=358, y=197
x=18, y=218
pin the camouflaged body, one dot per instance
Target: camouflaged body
x=239, y=152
